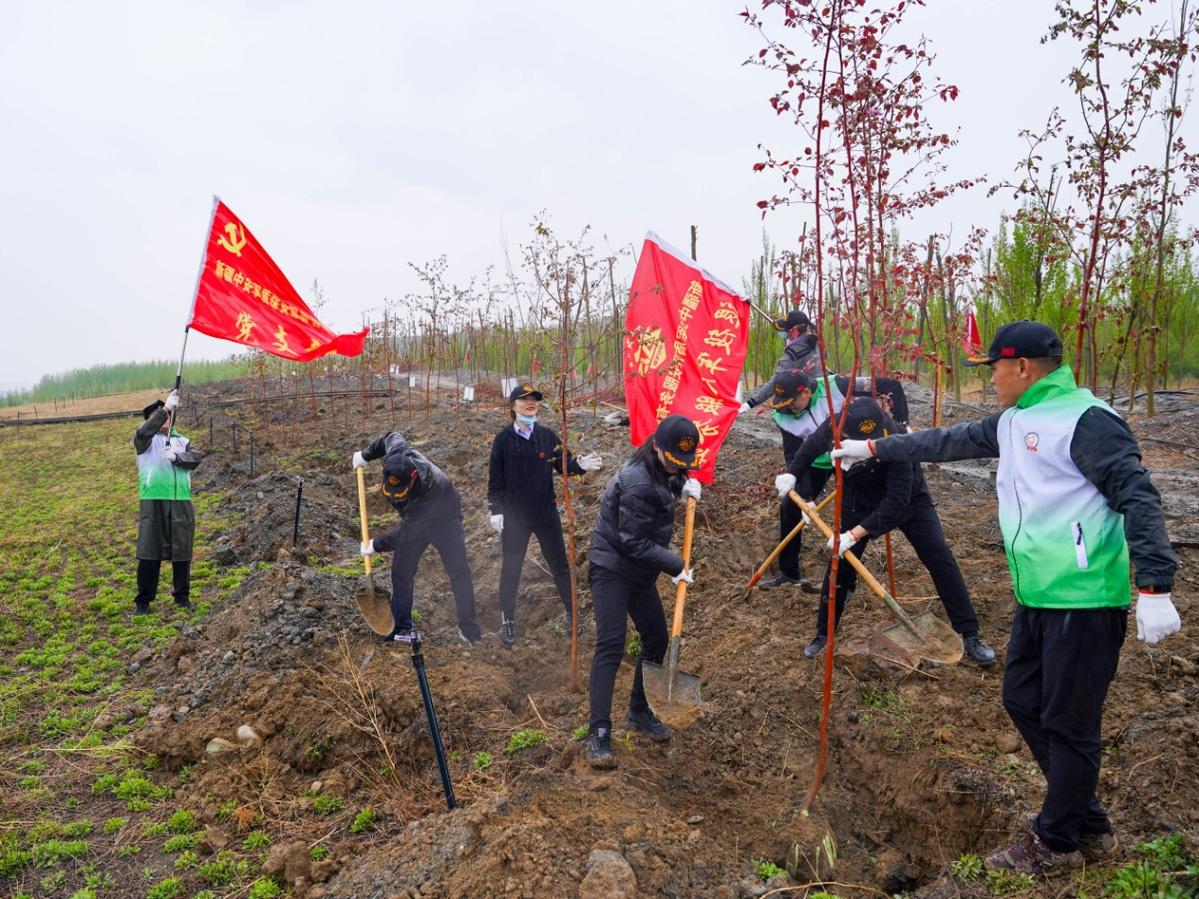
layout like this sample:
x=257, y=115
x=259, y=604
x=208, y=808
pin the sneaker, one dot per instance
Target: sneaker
x=184, y=604
x=398, y=635
x=1030, y=855
x=141, y=608
x=1097, y=847
x=815, y=648
x=779, y=580
x=507, y=631
x=467, y=640
x=647, y=722
x=599, y=749
x=977, y=650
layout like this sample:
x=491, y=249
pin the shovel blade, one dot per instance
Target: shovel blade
x=936, y=640
x=675, y=700
x=376, y=609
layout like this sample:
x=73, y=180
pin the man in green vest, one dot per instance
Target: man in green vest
x=166, y=519
x=1075, y=505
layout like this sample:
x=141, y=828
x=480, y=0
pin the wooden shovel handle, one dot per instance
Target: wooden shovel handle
x=680, y=596
x=366, y=534
x=853, y=560
x=783, y=544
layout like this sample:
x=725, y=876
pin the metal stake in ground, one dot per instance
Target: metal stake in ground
x=295, y=531
x=418, y=662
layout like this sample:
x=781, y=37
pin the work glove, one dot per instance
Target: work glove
x=169, y=453
x=851, y=452
x=497, y=523
x=846, y=541
x=368, y=548
x=1156, y=617
x=686, y=576
x=784, y=484
x=358, y=461
x=591, y=462
x=692, y=488
x=172, y=400
x=745, y=407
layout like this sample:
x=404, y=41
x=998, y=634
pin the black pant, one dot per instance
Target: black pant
x=514, y=539
x=1059, y=665
x=616, y=599
x=447, y=537
x=789, y=517
x=147, y=580
x=923, y=531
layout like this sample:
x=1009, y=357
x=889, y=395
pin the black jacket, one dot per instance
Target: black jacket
x=802, y=354
x=879, y=496
x=636, y=519
x=432, y=500
x=520, y=477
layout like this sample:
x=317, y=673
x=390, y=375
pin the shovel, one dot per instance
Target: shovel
x=925, y=636
x=753, y=581
x=674, y=694
x=376, y=609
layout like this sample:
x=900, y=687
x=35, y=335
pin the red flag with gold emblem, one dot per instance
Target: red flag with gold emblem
x=243, y=296
x=686, y=335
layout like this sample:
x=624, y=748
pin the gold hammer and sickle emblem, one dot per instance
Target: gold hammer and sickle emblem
x=237, y=239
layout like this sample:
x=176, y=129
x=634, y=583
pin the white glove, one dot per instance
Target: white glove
x=590, y=462
x=172, y=400
x=497, y=523
x=358, y=461
x=169, y=453
x=846, y=542
x=368, y=548
x=1156, y=617
x=852, y=452
x=784, y=484
x=692, y=487
x=745, y=407
x=685, y=576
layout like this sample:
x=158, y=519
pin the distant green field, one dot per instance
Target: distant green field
x=101, y=380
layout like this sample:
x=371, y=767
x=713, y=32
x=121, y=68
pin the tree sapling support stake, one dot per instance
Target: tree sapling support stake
x=418, y=662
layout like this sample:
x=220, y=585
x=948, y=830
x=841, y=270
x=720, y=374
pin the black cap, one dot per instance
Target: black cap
x=521, y=391
x=1021, y=340
x=152, y=408
x=865, y=420
x=399, y=477
x=793, y=319
x=678, y=438
x=788, y=385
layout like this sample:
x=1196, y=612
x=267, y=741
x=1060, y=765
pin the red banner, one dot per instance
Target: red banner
x=243, y=296
x=684, y=347
x=971, y=341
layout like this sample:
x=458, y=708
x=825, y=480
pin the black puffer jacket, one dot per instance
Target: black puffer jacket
x=433, y=497
x=636, y=519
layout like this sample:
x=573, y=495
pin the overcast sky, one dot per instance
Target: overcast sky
x=355, y=137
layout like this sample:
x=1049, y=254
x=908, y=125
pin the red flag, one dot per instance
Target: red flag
x=684, y=347
x=971, y=342
x=243, y=296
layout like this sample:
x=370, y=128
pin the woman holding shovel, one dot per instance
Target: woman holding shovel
x=630, y=547
x=881, y=497
x=520, y=496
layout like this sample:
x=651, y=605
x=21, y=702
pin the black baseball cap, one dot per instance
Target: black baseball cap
x=523, y=391
x=793, y=319
x=399, y=476
x=678, y=438
x=788, y=385
x=1024, y=339
x=152, y=408
x=865, y=420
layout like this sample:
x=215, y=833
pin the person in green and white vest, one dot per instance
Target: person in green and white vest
x=1075, y=506
x=166, y=519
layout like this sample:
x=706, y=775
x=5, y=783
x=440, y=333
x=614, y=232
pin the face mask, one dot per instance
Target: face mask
x=527, y=420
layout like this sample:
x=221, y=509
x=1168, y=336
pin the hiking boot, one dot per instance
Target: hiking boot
x=779, y=580
x=468, y=640
x=184, y=603
x=141, y=608
x=816, y=647
x=977, y=650
x=599, y=749
x=507, y=631
x=1030, y=855
x=647, y=722
x=1097, y=847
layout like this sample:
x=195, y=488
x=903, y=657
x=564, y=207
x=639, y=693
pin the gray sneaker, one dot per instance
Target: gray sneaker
x=507, y=631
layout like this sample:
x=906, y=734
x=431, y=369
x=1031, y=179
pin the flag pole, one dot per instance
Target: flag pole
x=195, y=291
